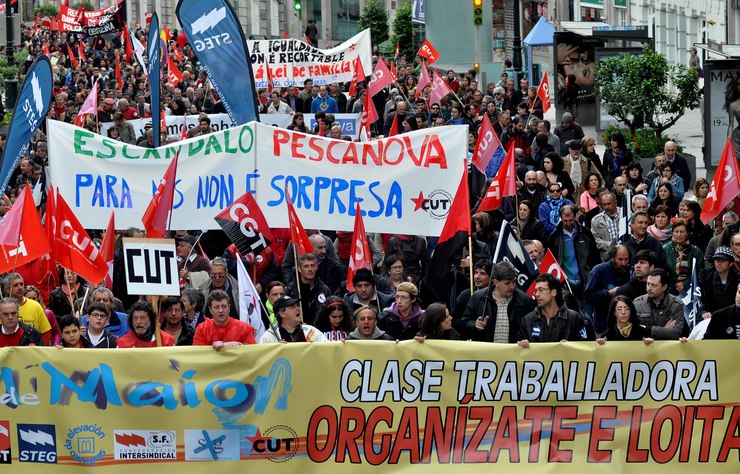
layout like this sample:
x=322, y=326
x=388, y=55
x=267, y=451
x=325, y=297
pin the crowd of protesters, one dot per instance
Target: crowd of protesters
x=620, y=284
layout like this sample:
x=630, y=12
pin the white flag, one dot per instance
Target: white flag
x=249, y=300
x=138, y=49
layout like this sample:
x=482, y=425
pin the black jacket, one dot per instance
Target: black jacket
x=482, y=304
x=30, y=336
x=724, y=324
x=714, y=294
x=108, y=341
x=569, y=325
x=587, y=254
x=311, y=298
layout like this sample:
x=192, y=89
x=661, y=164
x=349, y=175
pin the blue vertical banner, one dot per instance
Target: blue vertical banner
x=29, y=112
x=155, y=76
x=213, y=31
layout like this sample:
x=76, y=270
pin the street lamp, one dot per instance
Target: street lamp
x=517, y=40
x=11, y=84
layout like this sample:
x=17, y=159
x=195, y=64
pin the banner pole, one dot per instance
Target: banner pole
x=157, y=325
x=297, y=277
x=470, y=268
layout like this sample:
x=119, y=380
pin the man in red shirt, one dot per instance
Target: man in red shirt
x=12, y=331
x=142, y=321
x=222, y=330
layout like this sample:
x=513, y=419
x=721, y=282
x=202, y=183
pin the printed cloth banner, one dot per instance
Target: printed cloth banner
x=94, y=22
x=350, y=123
x=292, y=61
x=623, y=407
x=404, y=183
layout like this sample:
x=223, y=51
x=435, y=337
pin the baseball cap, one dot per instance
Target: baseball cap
x=724, y=252
x=187, y=238
x=567, y=117
x=284, y=302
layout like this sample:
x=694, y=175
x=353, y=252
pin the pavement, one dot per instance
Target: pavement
x=687, y=130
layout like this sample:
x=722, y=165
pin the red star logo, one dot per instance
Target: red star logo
x=352, y=46
x=419, y=202
x=257, y=437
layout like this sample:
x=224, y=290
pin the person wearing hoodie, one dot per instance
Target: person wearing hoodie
x=401, y=320
x=366, y=326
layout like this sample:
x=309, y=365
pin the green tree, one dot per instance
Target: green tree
x=374, y=17
x=47, y=10
x=402, y=33
x=646, y=91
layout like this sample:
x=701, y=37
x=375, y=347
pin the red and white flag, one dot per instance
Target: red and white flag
x=394, y=73
x=108, y=248
x=543, y=92
x=89, y=107
x=184, y=132
x=73, y=248
x=429, y=52
x=440, y=89
x=81, y=51
x=486, y=145
x=551, y=266
x=358, y=77
x=725, y=185
x=298, y=234
x=156, y=216
x=369, y=116
x=22, y=238
x=424, y=80
x=360, y=256
x=503, y=184
x=126, y=39
x=381, y=78
x=174, y=75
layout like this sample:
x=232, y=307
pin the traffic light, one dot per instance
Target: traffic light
x=298, y=7
x=477, y=12
x=476, y=67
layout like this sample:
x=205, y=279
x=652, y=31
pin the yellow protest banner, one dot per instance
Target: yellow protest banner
x=409, y=406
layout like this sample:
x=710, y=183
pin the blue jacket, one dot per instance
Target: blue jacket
x=603, y=277
x=544, y=215
x=330, y=105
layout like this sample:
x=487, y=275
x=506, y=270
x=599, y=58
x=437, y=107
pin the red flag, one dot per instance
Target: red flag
x=49, y=227
x=184, y=133
x=486, y=145
x=428, y=51
x=361, y=256
x=126, y=38
x=81, y=51
x=307, y=40
x=394, y=127
x=725, y=185
x=107, y=247
x=119, y=78
x=369, y=116
x=285, y=35
x=398, y=49
x=394, y=73
x=167, y=33
x=80, y=18
x=73, y=248
x=458, y=218
x=54, y=26
x=246, y=226
x=270, y=86
x=503, y=184
x=176, y=52
x=424, y=80
x=36, y=21
x=156, y=214
x=22, y=236
x=297, y=233
x=381, y=78
x=174, y=75
x=358, y=77
x=72, y=58
x=543, y=92
x=440, y=89
x=162, y=121
x=551, y=266
x=46, y=51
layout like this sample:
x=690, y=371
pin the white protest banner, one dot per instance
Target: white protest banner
x=350, y=123
x=151, y=267
x=405, y=184
x=292, y=61
x=96, y=175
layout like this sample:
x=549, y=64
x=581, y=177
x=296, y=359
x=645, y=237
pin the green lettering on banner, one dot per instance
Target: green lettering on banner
x=124, y=151
x=109, y=144
x=80, y=136
x=213, y=144
x=151, y=151
x=248, y=130
x=171, y=152
x=195, y=147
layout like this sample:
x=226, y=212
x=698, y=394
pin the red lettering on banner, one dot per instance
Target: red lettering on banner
x=506, y=436
x=484, y=416
x=635, y=454
x=665, y=414
x=316, y=453
x=438, y=434
x=351, y=426
x=385, y=415
x=731, y=439
x=562, y=433
x=538, y=415
x=407, y=437
x=687, y=432
x=709, y=415
x=600, y=433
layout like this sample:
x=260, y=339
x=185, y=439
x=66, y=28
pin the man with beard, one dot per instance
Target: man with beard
x=142, y=320
x=531, y=191
x=645, y=261
x=604, y=281
x=575, y=248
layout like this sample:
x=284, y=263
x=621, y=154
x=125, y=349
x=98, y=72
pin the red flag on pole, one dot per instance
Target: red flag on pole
x=551, y=266
x=360, y=256
x=49, y=227
x=176, y=52
x=81, y=51
x=486, y=145
x=369, y=116
x=119, y=78
x=107, y=247
x=54, y=26
x=174, y=75
x=72, y=58
x=245, y=225
x=725, y=185
x=184, y=132
x=429, y=52
x=126, y=38
x=155, y=217
x=394, y=127
x=268, y=76
x=46, y=51
x=73, y=248
x=22, y=238
x=424, y=80
x=381, y=78
x=503, y=184
x=543, y=92
x=394, y=73
x=298, y=234
x=440, y=89
x=358, y=77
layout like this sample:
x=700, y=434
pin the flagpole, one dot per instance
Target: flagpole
x=297, y=277
x=470, y=268
x=157, y=325
x=377, y=298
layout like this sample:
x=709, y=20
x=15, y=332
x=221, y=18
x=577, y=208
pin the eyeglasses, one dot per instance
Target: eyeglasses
x=554, y=191
x=402, y=297
x=98, y=315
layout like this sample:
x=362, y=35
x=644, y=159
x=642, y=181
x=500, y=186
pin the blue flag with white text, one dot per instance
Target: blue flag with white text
x=30, y=110
x=155, y=76
x=215, y=34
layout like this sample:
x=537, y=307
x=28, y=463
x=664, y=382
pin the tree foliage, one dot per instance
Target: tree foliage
x=646, y=91
x=374, y=17
x=402, y=32
x=48, y=9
